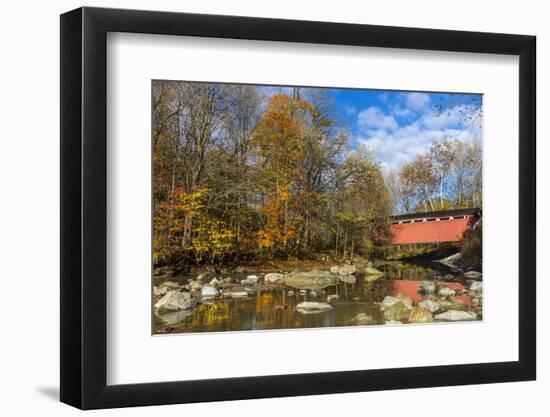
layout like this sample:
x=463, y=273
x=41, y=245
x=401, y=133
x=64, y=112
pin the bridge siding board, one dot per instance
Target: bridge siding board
x=431, y=231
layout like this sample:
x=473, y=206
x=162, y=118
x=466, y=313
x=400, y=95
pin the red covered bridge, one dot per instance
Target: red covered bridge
x=433, y=227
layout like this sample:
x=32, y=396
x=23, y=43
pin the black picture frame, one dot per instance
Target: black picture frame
x=84, y=207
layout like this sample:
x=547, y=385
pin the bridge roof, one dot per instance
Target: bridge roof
x=437, y=214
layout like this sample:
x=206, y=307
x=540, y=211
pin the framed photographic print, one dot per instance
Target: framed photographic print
x=258, y=208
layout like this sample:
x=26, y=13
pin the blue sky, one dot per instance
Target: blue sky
x=398, y=126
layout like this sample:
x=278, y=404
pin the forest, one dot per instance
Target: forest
x=239, y=174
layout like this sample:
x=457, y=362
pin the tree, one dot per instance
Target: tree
x=466, y=169
x=172, y=219
x=236, y=175
x=442, y=155
x=362, y=204
x=419, y=181
x=280, y=138
x=450, y=172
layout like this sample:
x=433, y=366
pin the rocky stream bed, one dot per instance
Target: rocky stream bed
x=342, y=295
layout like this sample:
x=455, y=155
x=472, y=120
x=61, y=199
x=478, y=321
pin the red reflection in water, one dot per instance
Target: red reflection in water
x=465, y=299
x=410, y=289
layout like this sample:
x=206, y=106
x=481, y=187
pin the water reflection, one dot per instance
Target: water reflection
x=352, y=298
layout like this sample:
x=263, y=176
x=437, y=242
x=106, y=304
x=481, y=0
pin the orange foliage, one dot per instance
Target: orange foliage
x=280, y=136
x=281, y=221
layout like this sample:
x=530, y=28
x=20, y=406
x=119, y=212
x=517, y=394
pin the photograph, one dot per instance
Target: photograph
x=285, y=207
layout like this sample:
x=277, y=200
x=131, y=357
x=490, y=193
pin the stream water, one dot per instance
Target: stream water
x=275, y=307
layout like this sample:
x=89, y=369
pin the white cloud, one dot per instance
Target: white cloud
x=399, y=111
x=395, y=147
x=398, y=148
x=416, y=101
x=374, y=118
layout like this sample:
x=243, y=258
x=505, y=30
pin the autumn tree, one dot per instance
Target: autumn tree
x=279, y=139
x=419, y=181
x=362, y=204
x=447, y=176
x=236, y=175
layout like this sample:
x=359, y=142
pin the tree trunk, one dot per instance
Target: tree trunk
x=336, y=246
x=346, y=244
x=441, y=193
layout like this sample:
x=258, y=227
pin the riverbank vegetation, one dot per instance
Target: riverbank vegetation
x=235, y=178
x=241, y=175
x=472, y=248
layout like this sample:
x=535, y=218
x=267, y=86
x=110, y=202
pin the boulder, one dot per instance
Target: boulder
x=456, y=315
x=373, y=277
x=451, y=303
x=397, y=311
x=476, y=286
x=174, y=317
x=362, y=319
x=430, y=305
x=159, y=291
x=215, y=282
x=371, y=271
x=388, y=302
x=310, y=280
x=195, y=285
x=347, y=269
x=406, y=300
x=240, y=270
x=170, y=285
x=420, y=315
x=332, y=298
x=472, y=274
x=312, y=307
x=348, y=279
x=334, y=269
x=427, y=287
x=174, y=301
x=250, y=280
x=274, y=278
x=446, y=292
x=208, y=291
